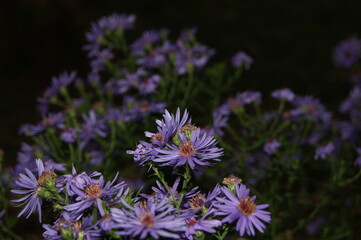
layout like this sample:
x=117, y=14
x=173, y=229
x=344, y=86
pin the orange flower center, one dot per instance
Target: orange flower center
x=231, y=180
x=247, y=206
x=45, y=176
x=188, y=127
x=93, y=190
x=147, y=219
x=197, y=202
x=191, y=221
x=186, y=149
x=158, y=137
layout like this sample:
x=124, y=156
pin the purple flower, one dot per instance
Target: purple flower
x=57, y=83
x=68, y=135
x=242, y=208
x=53, y=120
x=162, y=192
x=33, y=187
x=145, y=42
x=248, y=97
x=310, y=107
x=196, y=224
x=188, y=34
x=324, y=150
x=116, y=21
x=83, y=229
x=347, y=52
x=147, y=219
x=75, y=181
x=271, y=146
x=241, y=59
x=97, y=191
x=189, y=58
x=138, y=110
x=197, y=150
x=92, y=126
x=358, y=159
x=283, y=94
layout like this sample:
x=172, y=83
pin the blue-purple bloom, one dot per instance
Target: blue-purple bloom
x=271, y=146
x=310, y=107
x=241, y=59
x=148, y=219
x=283, y=94
x=197, y=150
x=52, y=120
x=97, y=191
x=347, y=52
x=195, y=224
x=242, y=208
x=82, y=230
x=324, y=150
x=358, y=159
x=68, y=135
x=32, y=185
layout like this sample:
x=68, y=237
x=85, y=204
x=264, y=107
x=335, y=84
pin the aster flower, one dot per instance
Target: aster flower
x=33, y=188
x=195, y=225
x=358, y=160
x=96, y=191
x=65, y=225
x=93, y=125
x=161, y=192
x=324, y=150
x=197, y=150
x=241, y=59
x=52, y=120
x=155, y=58
x=73, y=182
x=310, y=107
x=63, y=80
x=137, y=110
x=147, y=39
x=347, y=52
x=242, y=208
x=147, y=219
x=144, y=153
x=271, y=146
x=189, y=58
x=68, y=135
x=283, y=94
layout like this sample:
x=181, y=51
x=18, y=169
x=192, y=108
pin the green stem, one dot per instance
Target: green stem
x=188, y=89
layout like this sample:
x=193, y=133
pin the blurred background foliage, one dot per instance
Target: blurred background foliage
x=291, y=43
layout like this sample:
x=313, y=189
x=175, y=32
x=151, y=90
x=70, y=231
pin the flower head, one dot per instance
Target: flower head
x=324, y=150
x=147, y=219
x=33, y=188
x=243, y=209
x=347, y=52
x=241, y=59
x=198, y=150
x=283, y=94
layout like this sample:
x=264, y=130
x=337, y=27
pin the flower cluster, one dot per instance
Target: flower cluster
x=177, y=143
x=89, y=208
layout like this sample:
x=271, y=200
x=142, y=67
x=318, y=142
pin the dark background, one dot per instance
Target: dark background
x=291, y=43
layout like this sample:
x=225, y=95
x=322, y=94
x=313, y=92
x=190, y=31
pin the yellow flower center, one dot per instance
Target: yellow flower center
x=197, y=202
x=45, y=176
x=247, y=206
x=147, y=219
x=231, y=180
x=186, y=149
x=93, y=190
x=158, y=137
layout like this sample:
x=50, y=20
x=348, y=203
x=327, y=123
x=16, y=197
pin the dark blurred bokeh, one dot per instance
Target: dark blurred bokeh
x=291, y=42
